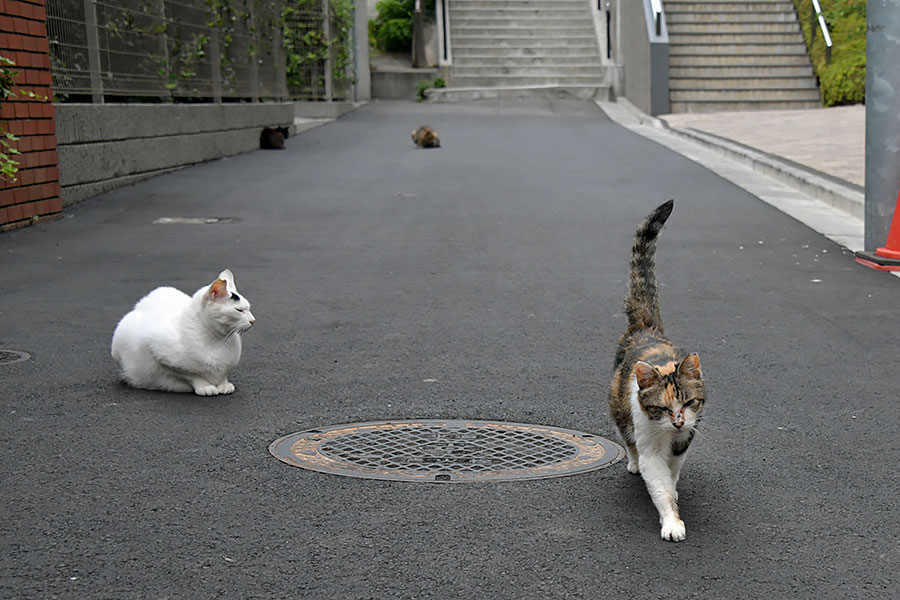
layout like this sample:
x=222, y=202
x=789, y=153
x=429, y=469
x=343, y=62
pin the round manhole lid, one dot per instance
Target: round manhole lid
x=446, y=451
x=11, y=356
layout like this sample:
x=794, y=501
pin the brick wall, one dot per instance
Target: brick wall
x=35, y=193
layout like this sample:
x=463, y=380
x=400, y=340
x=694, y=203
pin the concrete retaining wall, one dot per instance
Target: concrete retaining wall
x=105, y=146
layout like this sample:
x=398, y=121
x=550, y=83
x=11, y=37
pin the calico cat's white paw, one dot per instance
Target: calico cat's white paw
x=225, y=388
x=673, y=530
x=633, y=467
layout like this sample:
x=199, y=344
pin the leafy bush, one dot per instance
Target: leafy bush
x=392, y=28
x=843, y=79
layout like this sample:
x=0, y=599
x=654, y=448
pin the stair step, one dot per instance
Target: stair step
x=672, y=6
x=743, y=95
x=460, y=94
x=527, y=71
x=676, y=18
x=725, y=106
x=732, y=27
x=796, y=59
x=733, y=38
x=760, y=70
x=523, y=80
x=515, y=5
x=741, y=83
x=543, y=31
x=567, y=60
x=501, y=52
x=538, y=19
x=495, y=41
x=736, y=49
x=576, y=11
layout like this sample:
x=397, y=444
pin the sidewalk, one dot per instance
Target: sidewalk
x=829, y=140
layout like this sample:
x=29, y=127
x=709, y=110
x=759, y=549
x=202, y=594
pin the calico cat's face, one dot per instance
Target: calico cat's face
x=226, y=306
x=672, y=396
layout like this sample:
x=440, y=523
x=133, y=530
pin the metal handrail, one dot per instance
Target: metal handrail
x=442, y=15
x=818, y=15
x=657, y=7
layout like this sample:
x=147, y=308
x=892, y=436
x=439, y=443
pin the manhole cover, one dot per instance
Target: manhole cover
x=11, y=356
x=446, y=451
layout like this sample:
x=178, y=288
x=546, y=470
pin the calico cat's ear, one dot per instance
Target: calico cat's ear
x=690, y=367
x=646, y=375
x=218, y=289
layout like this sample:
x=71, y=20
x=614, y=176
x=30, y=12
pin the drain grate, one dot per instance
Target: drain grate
x=11, y=356
x=446, y=451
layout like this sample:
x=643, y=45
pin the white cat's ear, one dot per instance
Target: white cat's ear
x=218, y=289
x=646, y=375
x=227, y=276
x=690, y=367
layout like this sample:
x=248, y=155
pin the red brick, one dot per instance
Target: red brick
x=15, y=127
x=52, y=173
x=25, y=144
x=7, y=197
x=29, y=209
x=20, y=26
x=40, y=12
x=29, y=44
x=46, y=128
x=15, y=213
x=8, y=111
x=55, y=204
x=31, y=128
x=31, y=160
x=21, y=110
x=4, y=216
x=36, y=28
x=43, y=46
x=21, y=195
x=43, y=207
x=26, y=177
x=7, y=24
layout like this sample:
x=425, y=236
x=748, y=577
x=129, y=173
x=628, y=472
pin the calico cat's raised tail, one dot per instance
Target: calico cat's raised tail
x=656, y=396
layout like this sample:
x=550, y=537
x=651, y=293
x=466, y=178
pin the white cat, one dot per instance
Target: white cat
x=177, y=343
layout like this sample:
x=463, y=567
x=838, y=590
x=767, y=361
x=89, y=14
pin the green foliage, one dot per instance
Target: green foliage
x=306, y=47
x=842, y=80
x=393, y=25
x=421, y=88
x=8, y=166
x=425, y=85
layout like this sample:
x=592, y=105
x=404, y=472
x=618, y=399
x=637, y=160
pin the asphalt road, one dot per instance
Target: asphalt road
x=495, y=265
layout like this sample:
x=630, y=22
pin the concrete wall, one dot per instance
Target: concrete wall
x=644, y=57
x=105, y=146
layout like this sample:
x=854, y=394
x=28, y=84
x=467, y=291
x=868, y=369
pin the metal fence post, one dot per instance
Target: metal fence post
x=326, y=33
x=93, y=42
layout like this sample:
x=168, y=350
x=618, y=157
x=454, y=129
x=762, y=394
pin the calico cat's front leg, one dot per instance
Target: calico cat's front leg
x=658, y=478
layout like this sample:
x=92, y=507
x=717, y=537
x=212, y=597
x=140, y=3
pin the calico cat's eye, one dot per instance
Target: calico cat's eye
x=235, y=297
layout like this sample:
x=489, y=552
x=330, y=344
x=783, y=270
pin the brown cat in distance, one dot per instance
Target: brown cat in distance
x=426, y=137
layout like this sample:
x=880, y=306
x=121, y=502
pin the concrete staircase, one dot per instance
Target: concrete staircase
x=737, y=55
x=522, y=47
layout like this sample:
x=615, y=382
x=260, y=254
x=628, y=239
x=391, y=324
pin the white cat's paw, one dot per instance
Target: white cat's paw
x=633, y=467
x=673, y=530
x=206, y=390
x=225, y=388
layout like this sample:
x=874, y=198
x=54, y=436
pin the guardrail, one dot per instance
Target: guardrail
x=442, y=17
x=817, y=15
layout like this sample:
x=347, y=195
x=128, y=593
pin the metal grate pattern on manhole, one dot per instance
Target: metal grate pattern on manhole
x=11, y=356
x=446, y=451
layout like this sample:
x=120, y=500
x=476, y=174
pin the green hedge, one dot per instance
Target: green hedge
x=843, y=79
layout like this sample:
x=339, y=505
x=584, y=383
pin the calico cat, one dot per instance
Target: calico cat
x=656, y=396
x=273, y=138
x=426, y=137
x=178, y=343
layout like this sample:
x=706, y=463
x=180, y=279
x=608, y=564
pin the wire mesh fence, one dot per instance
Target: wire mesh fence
x=197, y=50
